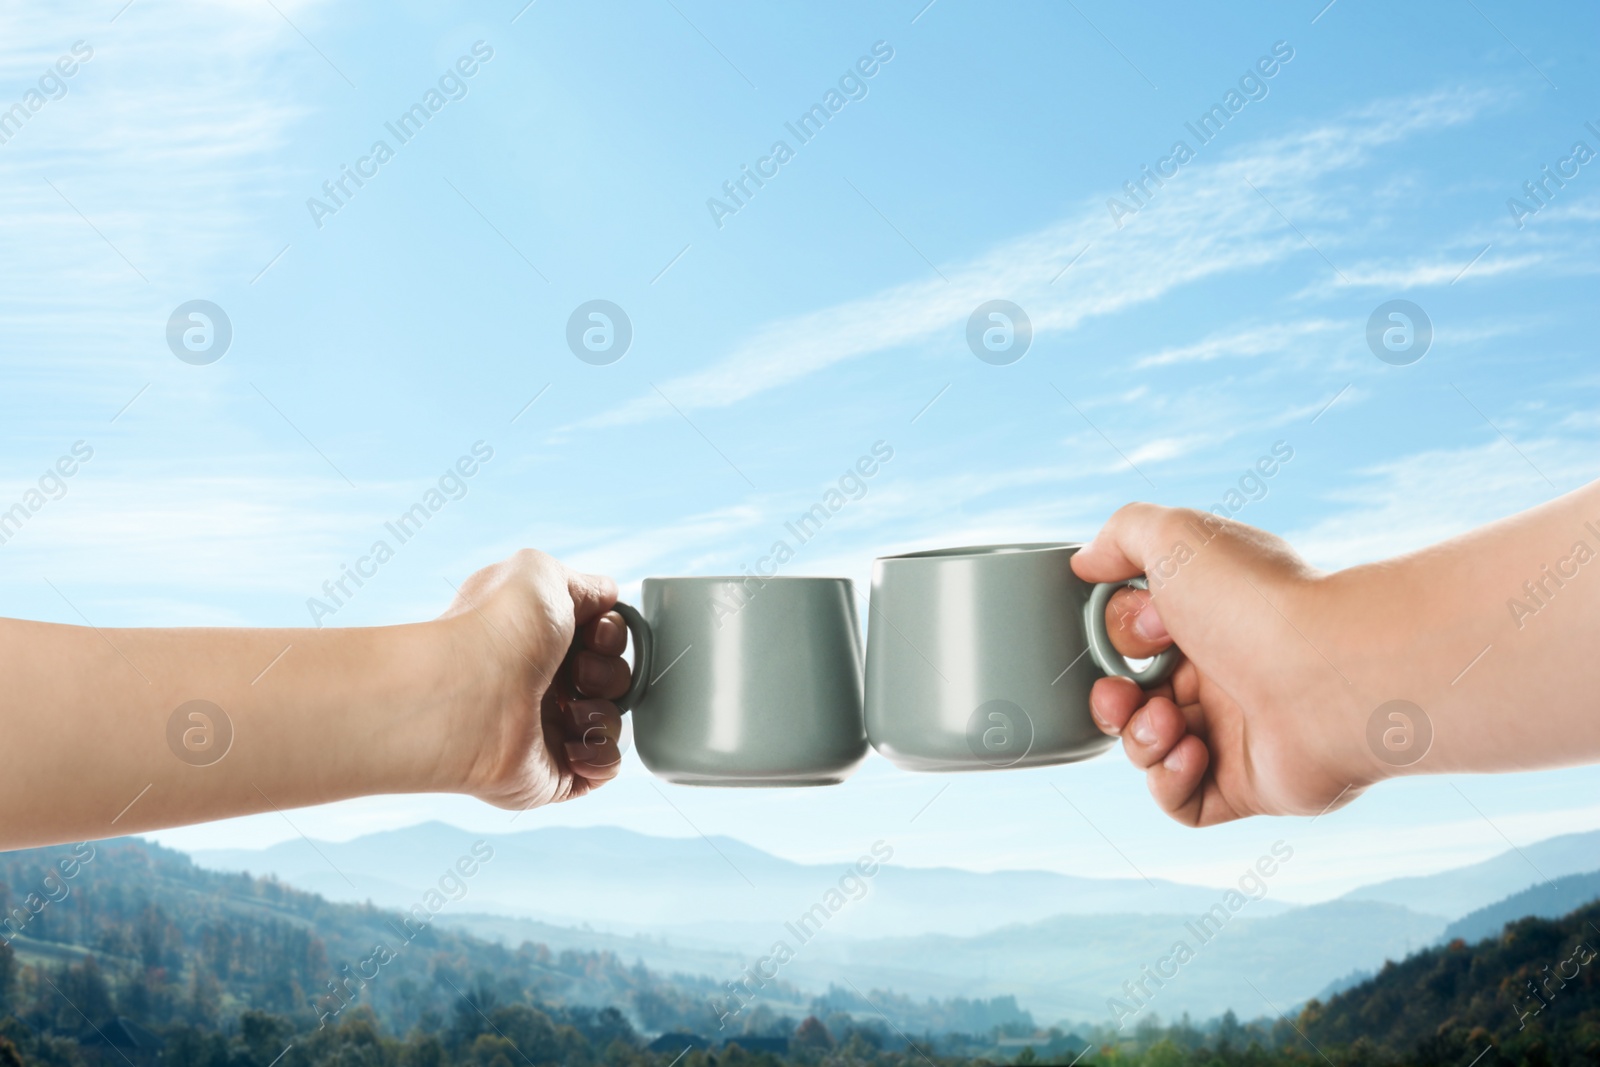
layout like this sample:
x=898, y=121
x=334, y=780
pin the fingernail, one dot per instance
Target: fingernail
x=600, y=755
x=1105, y=727
x=1143, y=732
x=606, y=629
x=1174, y=760
x=1148, y=625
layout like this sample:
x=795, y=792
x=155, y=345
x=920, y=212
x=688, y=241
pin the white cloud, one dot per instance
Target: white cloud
x=1586, y=209
x=1163, y=448
x=1420, y=274
x=1251, y=341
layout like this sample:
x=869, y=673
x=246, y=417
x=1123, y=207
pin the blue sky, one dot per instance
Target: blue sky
x=1227, y=314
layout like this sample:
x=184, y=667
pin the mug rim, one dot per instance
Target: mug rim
x=742, y=578
x=983, y=551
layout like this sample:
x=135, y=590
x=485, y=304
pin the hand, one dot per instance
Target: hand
x=1256, y=720
x=539, y=727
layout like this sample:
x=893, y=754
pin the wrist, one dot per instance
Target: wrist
x=438, y=688
x=1380, y=728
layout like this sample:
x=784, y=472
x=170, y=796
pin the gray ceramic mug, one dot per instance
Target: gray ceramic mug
x=981, y=658
x=747, y=681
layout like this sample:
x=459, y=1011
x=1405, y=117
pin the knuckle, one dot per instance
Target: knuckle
x=1173, y=524
x=1129, y=514
x=531, y=559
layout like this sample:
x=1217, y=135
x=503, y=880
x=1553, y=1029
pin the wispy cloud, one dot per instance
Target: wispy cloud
x=1418, y=500
x=1251, y=341
x=146, y=526
x=1435, y=272
x=1210, y=223
x=146, y=179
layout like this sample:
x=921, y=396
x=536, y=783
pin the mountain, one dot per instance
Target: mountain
x=145, y=933
x=148, y=915
x=1547, y=900
x=1066, y=967
x=714, y=891
x=1457, y=892
x=1073, y=966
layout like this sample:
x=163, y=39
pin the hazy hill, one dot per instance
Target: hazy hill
x=141, y=910
x=1457, y=892
x=1069, y=966
x=1547, y=900
x=1065, y=967
x=701, y=889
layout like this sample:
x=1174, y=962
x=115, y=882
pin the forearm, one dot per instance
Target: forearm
x=314, y=716
x=1493, y=635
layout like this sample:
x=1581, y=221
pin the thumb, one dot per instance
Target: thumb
x=592, y=595
x=1130, y=541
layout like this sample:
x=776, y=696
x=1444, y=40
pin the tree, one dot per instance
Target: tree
x=265, y=1036
x=812, y=1034
x=471, y=1013
x=423, y=1050
x=8, y=978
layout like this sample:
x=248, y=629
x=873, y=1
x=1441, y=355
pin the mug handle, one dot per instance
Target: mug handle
x=643, y=648
x=1106, y=657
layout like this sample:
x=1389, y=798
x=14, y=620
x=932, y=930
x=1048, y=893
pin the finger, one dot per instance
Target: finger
x=597, y=768
x=1185, y=683
x=594, y=774
x=601, y=676
x=1177, y=781
x=607, y=635
x=1125, y=544
x=1113, y=701
x=1135, y=625
x=1153, y=732
x=591, y=745
x=592, y=595
x=592, y=721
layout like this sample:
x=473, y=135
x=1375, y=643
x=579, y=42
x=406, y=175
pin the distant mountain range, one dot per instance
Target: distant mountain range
x=715, y=890
x=138, y=941
x=1064, y=946
x=1065, y=967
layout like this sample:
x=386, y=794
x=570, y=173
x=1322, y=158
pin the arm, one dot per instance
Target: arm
x=1490, y=635
x=472, y=702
